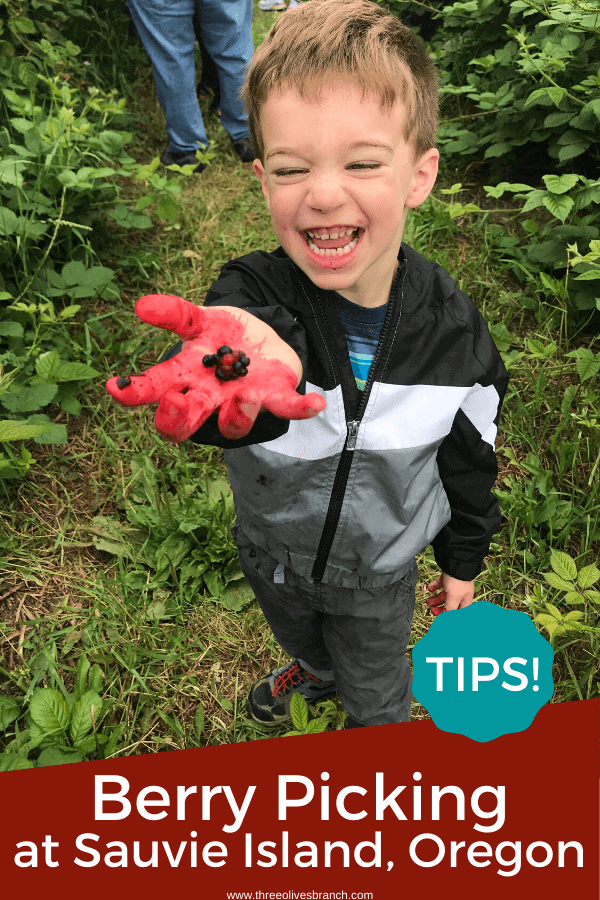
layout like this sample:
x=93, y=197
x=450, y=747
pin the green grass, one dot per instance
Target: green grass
x=181, y=680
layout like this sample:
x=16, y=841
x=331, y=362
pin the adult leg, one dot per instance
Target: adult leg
x=227, y=34
x=167, y=33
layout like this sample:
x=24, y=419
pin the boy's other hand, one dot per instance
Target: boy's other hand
x=188, y=391
x=453, y=594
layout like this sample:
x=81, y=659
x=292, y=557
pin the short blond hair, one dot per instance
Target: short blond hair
x=358, y=38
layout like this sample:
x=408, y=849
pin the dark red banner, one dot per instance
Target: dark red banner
x=365, y=814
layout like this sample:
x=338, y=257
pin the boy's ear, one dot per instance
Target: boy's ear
x=424, y=176
x=262, y=177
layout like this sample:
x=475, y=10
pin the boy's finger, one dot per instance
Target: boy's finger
x=438, y=600
x=238, y=414
x=170, y=312
x=290, y=405
x=135, y=390
x=179, y=415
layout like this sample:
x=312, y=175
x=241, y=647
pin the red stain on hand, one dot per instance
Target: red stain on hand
x=208, y=375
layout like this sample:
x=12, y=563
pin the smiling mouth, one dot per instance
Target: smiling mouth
x=335, y=247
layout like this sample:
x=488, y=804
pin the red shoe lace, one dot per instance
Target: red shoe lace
x=290, y=679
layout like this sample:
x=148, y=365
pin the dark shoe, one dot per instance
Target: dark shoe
x=244, y=150
x=269, y=700
x=189, y=158
x=352, y=723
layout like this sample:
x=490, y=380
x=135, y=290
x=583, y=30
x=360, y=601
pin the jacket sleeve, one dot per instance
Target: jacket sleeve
x=468, y=467
x=239, y=286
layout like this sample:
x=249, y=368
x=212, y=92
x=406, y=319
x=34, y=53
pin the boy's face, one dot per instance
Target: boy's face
x=331, y=183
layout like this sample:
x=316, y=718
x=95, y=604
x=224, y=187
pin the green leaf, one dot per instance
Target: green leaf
x=299, y=711
x=12, y=762
x=11, y=430
x=73, y=272
x=8, y=221
x=74, y=371
x=556, y=582
x=555, y=611
x=559, y=206
x=49, y=709
x=167, y=209
x=548, y=622
x=52, y=434
x=71, y=405
x=47, y=363
x=199, y=722
x=588, y=576
x=69, y=311
x=11, y=329
x=572, y=597
x=81, y=672
x=9, y=711
x=587, y=365
x=95, y=679
x=563, y=565
x=560, y=184
x=10, y=170
x=316, y=726
x=54, y=756
x=567, y=400
x=81, y=716
x=112, y=537
x=23, y=24
x=88, y=744
x=573, y=616
x=592, y=596
x=29, y=399
x=237, y=595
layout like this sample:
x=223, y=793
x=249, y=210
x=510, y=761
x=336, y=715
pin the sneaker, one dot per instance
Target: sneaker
x=267, y=5
x=269, y=700
x=188, y=158
x=244, y=150
x=294, y=3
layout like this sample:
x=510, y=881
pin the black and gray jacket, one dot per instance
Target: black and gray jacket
x=350, y=496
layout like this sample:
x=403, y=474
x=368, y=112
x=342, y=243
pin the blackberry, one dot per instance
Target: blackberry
x=231, y=369
x=123, y=382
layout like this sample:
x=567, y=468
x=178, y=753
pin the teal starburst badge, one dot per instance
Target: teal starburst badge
x=483, y=671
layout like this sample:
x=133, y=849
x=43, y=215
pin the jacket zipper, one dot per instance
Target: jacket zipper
x=343, y=470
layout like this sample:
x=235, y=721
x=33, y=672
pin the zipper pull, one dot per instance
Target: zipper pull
x=352, y=435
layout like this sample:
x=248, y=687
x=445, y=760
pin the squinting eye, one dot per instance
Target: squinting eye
x=284, y=172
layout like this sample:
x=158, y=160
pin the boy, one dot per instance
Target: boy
x=388, y=442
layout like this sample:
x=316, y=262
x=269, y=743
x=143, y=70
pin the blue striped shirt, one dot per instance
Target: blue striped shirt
x=363, y=329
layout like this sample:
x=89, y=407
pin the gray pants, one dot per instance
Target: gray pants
x=355, y=636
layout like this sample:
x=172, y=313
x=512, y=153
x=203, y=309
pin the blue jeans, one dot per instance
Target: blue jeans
x=167, y=32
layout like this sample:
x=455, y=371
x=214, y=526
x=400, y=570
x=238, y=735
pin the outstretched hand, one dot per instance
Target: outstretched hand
x=453, y=594
x=199, y=380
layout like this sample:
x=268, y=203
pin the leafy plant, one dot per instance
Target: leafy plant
x=524, y=84
x=62, y=726
x=62, y=167
x=183, y=539
x=575, y=627
x=327, y=714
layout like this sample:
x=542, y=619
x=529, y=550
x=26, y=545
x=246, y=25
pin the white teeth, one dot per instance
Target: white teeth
x=341, y=251
x=324, y=235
